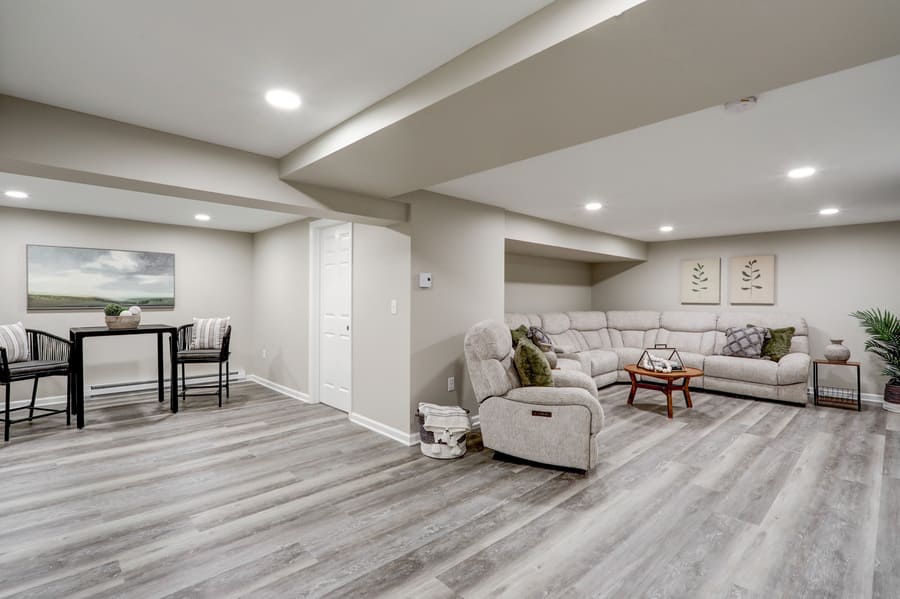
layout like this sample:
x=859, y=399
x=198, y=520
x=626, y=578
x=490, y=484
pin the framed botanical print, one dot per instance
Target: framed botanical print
x=701, y=281
x=751, y=280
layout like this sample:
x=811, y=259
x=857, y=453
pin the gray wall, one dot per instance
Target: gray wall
x=211, y=273
x=281, y=305
x=535, y=284
x=462, y=244
x=821, y=274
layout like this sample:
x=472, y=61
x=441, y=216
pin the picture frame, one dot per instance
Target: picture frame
x=751, y=280
x=701, y=281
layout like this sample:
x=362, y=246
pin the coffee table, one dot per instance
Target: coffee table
x=667, y=386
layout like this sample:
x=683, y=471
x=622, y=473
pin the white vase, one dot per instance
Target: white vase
x=837, y=351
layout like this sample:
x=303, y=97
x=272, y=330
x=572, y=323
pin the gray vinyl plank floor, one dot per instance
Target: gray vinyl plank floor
x=270, y=497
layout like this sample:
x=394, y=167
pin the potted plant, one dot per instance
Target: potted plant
x=118, y=317
x=884, y=341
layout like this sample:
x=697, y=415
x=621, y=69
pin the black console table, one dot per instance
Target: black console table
x=79, y=334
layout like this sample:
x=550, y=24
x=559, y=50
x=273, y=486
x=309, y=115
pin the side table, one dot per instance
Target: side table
x=836, y=395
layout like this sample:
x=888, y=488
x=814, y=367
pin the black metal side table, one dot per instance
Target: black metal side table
x=836, y=396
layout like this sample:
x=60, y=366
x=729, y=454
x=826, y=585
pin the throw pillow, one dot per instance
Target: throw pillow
x=518, y=334
x=778, y=343
x=540, y=338
x=208, y=333
x=744, y=342
x=14, y=340
x=532, y=365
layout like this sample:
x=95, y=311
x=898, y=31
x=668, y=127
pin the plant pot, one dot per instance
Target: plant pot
x=123, y=322
x=837, y=352
x=891, y=398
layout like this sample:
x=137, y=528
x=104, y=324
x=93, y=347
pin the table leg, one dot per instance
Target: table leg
x=633, y=388
x=160, y=375
x=815, y=384
x=173, y=351
x=858, y=391
x=669, y=398
x=687, y=393
x=79, y=382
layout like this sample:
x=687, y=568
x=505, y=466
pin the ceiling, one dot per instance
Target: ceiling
x=77, y=198
x=205, y=77
x=713, y=172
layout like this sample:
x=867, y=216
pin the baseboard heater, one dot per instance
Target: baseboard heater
x=237, y=375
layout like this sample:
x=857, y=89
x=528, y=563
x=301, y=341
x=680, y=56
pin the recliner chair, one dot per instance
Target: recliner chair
x=551, y=425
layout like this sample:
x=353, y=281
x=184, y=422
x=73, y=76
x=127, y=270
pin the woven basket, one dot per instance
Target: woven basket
x=123, y=322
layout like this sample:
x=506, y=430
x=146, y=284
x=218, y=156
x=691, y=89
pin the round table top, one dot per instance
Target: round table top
x=687, y=372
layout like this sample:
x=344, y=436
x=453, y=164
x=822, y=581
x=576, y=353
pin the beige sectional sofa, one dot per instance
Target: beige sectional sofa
x=602, y=343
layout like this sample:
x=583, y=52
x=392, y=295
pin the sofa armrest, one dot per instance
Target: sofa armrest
x=582, y=358
x=793, y=368
x=551, y=358
x=560, y=396
x=575, y=378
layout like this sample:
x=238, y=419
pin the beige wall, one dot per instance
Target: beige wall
x=821, y=274
x=535, y=284
x=211, y=273
x=462, y=244
x=280, y=292
x=381, y=340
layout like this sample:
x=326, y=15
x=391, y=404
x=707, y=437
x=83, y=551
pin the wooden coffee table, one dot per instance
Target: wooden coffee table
x=668, y=385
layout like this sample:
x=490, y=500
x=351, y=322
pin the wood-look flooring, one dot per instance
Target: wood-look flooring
x=269, y=497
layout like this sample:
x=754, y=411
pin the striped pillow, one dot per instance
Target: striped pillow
x=14, y=340
x=209, y=332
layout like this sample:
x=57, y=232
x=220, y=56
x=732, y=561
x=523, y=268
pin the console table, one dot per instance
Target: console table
x=79, y=334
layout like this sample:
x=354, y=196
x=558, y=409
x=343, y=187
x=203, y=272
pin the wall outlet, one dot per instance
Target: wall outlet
x=424, y=280
x=265, y=354
x=451, y=384
x=394, y=306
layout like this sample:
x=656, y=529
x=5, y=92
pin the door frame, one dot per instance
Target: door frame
x=315, y=236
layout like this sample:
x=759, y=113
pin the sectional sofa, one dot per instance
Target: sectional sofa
x=602, y=343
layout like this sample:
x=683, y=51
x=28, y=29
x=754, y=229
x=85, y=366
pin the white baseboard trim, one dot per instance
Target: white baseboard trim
x=383, y=429
x=290, y=392
x=875, y=398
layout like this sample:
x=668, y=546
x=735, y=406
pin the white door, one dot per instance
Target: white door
x=335, y=247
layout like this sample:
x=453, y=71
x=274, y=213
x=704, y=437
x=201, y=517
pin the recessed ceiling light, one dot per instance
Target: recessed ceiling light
x=593, y=206
x=18, y=195
x=202, y=217
x=282, y=98
x=667, y=228
x=828, y=211
x=802, y=172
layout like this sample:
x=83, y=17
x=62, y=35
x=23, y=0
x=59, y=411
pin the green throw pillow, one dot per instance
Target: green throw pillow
x=778, y=344
x=519, y=334
x=532, y=365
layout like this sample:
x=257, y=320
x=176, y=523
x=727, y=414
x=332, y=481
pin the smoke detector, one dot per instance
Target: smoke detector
x=742, y=105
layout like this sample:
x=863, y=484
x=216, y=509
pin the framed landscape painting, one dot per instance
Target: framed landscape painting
x=68, y=278
x=751, y=280
x=701, y=281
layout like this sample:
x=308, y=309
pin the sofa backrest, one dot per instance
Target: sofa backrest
x=489, y=359
x=772, y=320
x=632, y=328
x=694, y=331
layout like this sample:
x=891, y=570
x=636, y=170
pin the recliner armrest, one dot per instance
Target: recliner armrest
x=582, y=358
x=793, y=368
x=575, y=378
x=560, y=396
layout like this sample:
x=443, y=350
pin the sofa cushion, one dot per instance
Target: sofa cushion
x=698, y=343
x=597, y=339
x=744, y=342
x=793, y=369
x=568, y=342
x=514, y=320
x=587, y=321
x=555, y=323
x=603, y=361
x=532, y=365
x=627, y=355
x=569, y=364
x=694, y=322
x=632, y=320
x=741, y=369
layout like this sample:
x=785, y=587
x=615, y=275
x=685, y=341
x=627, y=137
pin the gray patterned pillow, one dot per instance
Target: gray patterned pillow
x=744, y=342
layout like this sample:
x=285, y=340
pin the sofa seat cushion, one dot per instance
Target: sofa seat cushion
x=693, y=360
x=627, y=355
x=199, y=355
x=742, y=369
x=603, y=361
x=568, y=364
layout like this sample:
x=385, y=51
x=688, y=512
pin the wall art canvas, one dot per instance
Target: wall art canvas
x=701, y=281
x=751, y=280
x=68, y=278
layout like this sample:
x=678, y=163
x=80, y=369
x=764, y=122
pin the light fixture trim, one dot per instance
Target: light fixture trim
x=667, y=228
x=203, y=218
x=801, y=172
x=284, y=99
x=593, y=206
x=829, y=211
x=16, y=194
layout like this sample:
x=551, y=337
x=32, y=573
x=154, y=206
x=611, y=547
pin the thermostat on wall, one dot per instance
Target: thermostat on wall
x=424, y=280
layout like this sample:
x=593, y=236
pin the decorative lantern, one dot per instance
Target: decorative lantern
x=661, y=358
